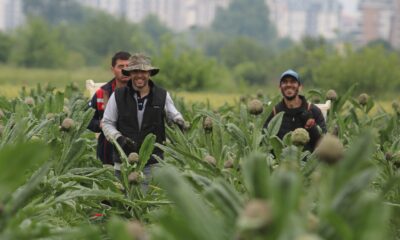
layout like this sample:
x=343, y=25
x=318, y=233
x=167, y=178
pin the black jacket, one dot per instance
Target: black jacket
x=104, y=148
x=297, y=117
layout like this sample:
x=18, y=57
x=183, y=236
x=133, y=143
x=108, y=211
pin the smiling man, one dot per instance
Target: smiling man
x=139, y=109
x=298, y=113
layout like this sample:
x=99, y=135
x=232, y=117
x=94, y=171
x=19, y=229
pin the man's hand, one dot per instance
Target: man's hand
x=310, y=123
x=308, y=119
x=183, y=126
x=127, y=144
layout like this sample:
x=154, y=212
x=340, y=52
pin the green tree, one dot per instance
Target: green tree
x=243, y=49
x=150, y=35
x=152, y=26
x=187, y=69
x=245, y=18
x=103, y=35
x=37, y=45
x=250, y=72
x=5, y=47
x=374, y=69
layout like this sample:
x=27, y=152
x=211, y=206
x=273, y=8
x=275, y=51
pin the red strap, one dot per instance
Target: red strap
x=113, y=84
x=100, y=99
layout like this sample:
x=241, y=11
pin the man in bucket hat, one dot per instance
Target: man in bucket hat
x=298, y=113
x=139, y=109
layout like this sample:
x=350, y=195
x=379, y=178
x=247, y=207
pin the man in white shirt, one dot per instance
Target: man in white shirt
x=139, y=109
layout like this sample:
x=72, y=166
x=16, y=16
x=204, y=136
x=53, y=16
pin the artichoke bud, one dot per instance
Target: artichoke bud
x=300, y=137
x=67, y=124
x=50, y=116
x=256, y=215
x=255, y=107
x=228, y=163
x=388, y=156
x=363, y=99
x=29, y=101
x=210, y=159
x=329, y=150
x=133, y=158
x=208, y=124
x=136, y=230
x=331, y=95
x=135, y=178
x=66, y=110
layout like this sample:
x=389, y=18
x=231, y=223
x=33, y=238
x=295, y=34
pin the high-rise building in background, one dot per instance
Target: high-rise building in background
x=298, y=18
x=376, y=20
x=2, y=13
x=176, y=14
x=394, y=38
x=294, y=19
x=11, y=14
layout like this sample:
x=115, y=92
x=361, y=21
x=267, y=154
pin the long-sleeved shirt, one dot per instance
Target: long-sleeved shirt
x=111, y=115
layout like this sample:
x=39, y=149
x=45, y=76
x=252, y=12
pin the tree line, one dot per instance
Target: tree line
x=239, y=48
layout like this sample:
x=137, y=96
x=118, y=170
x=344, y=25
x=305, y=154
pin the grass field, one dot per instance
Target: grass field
x=12, y=79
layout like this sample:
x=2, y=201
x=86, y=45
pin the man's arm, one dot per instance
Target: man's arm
x=110, y=118
x=319, y=121
x=94, y=124
x=172, y=113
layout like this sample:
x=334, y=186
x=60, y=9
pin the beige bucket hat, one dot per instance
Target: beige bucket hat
x=142, y=62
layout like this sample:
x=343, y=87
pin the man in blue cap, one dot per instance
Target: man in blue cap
x=298, y=113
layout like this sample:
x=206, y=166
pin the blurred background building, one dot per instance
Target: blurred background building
x=11, y=14
x=380, y=20
x=294, y=19
x=176, y=14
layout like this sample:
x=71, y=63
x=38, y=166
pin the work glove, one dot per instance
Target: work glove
x=127, y=144
x=308, y=119
x=183, y=126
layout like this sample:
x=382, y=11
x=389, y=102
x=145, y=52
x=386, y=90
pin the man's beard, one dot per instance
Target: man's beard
x=296, y=91
x=290, y=98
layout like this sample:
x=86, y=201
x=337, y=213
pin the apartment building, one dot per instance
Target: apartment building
x=11, y=14
x=298, y=18
x=176, y=14
x=376, y=20
x=394, y=38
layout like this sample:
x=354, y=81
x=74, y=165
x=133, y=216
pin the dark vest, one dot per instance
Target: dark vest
x=293, y=119
x=153, y=116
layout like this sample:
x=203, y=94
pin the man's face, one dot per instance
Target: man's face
x=290, y=87
x=140, y=79
x=117, y=71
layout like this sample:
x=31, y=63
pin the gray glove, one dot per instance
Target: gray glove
x=183, y=126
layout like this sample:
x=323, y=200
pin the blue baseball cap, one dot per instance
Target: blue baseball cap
x=291, y=73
